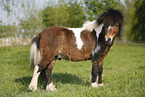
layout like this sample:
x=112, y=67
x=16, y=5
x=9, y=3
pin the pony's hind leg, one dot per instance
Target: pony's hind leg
x=48, y=72
x=34, y=81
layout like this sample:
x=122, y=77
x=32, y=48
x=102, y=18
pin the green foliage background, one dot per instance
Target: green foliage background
x=66, y=14
x=72, y=13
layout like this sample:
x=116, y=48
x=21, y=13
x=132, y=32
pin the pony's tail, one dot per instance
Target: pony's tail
x=35, y=54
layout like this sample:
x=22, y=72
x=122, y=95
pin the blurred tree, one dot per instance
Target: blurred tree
x=31, y=24
x=5, y=4
x=135, y=23
x=96, y=7
x=5, y=30
x=30, y=27
x=24, y=19
x=69, y=14
x=138, y=29
x=76, y=14
x=129, y=18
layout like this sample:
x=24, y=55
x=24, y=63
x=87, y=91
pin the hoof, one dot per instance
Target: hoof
x=101, y=84
x=94, y=85
x=51, y=87
x=33, y=87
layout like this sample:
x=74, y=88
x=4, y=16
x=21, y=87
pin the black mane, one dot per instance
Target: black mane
x=111, y=17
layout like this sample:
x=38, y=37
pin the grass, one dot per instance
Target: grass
x=124, y=74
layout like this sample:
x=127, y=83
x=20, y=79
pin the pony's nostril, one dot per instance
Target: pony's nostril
x=109, y=39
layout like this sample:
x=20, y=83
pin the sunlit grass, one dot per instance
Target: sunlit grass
x=123, y=74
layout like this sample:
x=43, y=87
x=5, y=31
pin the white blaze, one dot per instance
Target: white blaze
x=110, y=36
x=110, y=27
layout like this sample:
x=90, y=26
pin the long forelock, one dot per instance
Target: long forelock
x=111, y=17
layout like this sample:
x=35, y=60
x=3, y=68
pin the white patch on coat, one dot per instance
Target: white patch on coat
x=96, y=50
x=93, y=25
x=34, y=81
x=77, y=33
x=94, y=84
x=51, y=87
x=90, y=25
x=98, y=30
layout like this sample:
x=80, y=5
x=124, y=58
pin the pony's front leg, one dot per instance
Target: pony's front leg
x=100, y=74
x=97, y=69
x=34, y=81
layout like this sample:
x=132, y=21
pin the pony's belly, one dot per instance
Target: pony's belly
x=76, y=55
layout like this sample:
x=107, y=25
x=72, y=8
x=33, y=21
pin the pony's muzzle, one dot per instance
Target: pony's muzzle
x=109, y=40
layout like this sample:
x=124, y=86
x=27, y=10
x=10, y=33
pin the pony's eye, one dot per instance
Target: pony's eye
x=116, y=25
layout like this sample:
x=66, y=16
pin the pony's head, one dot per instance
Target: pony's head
x=112, y=20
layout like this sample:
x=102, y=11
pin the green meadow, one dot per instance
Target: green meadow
x=123, y=75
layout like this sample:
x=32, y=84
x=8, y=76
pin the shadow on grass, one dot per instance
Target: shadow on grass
x=66, y=78
x=24, y=80
x=141, y=67
x=63, y=78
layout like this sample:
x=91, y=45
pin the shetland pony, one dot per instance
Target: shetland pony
x=92, y=41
